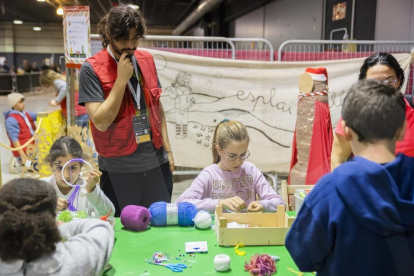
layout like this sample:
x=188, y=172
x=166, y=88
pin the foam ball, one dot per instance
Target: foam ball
x=182, y=214
x=202, y=220
x=135, y=218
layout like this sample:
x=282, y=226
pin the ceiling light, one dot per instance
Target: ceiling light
x=37, y=29
x=59, y=11
x=133, y=6
x=17, y=21
x=41, y=0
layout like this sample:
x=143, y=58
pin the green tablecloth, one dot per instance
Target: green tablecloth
x=132, y=248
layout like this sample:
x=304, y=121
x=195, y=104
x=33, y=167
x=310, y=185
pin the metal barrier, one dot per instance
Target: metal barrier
x=11, y=82
x=315, y=50
x=215, y=47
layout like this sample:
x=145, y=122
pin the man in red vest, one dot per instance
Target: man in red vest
x=20, y=126
x=120, y=89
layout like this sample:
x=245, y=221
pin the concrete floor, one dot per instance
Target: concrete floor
x=38, y=101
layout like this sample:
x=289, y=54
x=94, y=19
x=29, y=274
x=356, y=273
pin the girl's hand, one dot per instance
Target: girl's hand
x=53, y=103
x=62, y=204
x=234, y=204
x=255, y=207
x=92, y=180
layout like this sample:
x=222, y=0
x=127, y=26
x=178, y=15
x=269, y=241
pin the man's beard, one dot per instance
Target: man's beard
x=121, y=51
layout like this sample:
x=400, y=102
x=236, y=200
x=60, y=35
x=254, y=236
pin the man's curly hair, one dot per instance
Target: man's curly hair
x=27, y=220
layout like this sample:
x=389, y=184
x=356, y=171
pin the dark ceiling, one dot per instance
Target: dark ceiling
x=158, y=13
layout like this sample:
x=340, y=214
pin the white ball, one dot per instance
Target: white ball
x=222, y=262
x=202, y=220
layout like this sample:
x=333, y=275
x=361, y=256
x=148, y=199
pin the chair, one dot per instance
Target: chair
x=288, y=190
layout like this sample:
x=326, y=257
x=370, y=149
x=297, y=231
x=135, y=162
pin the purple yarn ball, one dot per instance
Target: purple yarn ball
x=135, y=218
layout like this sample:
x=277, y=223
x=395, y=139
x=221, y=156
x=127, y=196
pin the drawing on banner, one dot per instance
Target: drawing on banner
x=180, y=91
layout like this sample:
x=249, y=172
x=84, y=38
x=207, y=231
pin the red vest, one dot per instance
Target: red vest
x=119, y=139
x=24, y=134
x=79, y=110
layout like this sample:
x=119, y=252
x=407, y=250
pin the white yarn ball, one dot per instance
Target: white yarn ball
x=202, y=220
x=222, y=262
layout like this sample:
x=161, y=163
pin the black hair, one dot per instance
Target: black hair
x=64, y=146
x=373, y=110
x=382, y=59
x=27, y=217
x=117, y=23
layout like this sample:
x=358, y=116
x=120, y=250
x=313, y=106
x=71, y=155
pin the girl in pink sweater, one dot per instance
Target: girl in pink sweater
x=230, y=181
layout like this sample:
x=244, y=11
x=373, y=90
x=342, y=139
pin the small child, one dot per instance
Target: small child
x=91, y=197
x=31, y=240
x=20, y=125
x=359, y=220
x=230, y=181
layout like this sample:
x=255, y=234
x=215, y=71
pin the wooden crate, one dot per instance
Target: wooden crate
x=265, y=228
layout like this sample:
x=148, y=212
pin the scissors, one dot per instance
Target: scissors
x=173, y=267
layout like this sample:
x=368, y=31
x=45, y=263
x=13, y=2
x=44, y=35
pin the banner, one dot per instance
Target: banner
x=76, y=34
x=200, y=92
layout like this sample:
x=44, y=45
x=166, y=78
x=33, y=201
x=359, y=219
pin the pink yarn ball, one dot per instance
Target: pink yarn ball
x=135, y=218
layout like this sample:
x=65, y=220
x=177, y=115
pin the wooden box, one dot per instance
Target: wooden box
x=265, y=228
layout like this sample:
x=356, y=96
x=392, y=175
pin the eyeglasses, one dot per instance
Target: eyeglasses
x=233, y=157
x=390, y=81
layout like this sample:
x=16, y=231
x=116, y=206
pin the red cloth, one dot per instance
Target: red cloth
x=405, y=146
x=24, y=134
x=119, y=139
x=319, y=162
x=79, y=110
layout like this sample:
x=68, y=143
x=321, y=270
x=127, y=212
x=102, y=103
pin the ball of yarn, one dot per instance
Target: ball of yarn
x=222, y=262
x=261, y=265
x=202, y=220
x=182, y=213
x=135, y=218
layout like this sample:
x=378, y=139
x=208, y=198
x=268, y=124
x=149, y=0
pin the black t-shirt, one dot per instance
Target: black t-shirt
x=146, y=157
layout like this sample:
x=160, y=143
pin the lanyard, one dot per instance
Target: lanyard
x=135, y=93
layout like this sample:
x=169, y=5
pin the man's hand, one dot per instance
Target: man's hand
x=171, y=160
x=234, y=204
x=255, y=207
x=125, y=69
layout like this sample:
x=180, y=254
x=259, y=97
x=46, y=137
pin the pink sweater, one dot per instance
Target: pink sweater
x=213, y=184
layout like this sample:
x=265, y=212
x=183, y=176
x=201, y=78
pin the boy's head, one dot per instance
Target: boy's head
x=16, y=101
x=374, y=112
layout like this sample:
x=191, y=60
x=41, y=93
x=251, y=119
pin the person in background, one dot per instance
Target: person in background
x=32, y=243
x=26, y=66
x=383, y=67
x=49, y=78
x=20, y=125
x=4, y=68
x=34, y=67
x=231, y=181
x=44, y=66
x=358, y=220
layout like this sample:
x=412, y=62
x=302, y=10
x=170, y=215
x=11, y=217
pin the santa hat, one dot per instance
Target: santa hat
x=318, y=74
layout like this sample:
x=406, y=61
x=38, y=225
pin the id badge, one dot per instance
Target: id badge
x=141, y=128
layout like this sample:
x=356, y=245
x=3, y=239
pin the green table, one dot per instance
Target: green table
x=132, y=248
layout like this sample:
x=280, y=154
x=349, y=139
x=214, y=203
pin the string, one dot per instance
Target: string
x=239, y=252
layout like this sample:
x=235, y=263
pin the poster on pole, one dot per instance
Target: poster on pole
x=76, y=34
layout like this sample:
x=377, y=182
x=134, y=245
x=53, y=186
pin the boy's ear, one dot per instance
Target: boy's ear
x=348, y=133
x=401, y=132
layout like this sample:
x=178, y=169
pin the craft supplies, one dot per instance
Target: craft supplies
x=75, y=194
x=239, y=252
x=163, y=214
x=193, y=247
x=262, y=265
x=173, y=267
x=160, y=257
x=135, y=218
x=275, y=258
x=67, y=216
x=237, y=225
x=221, y=262
x=105, y=218
x=202, y=220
